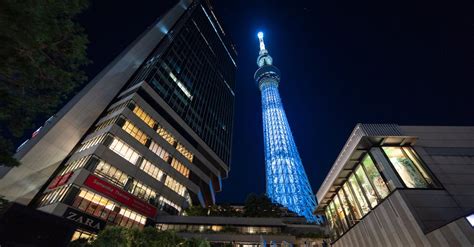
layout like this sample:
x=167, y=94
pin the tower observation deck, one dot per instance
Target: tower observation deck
x=286, y=180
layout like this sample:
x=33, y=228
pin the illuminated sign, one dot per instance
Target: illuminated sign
x=120, y=195
x=86, y=221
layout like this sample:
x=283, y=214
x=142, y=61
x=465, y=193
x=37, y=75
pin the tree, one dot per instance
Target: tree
x=261, y=206
x=42, y=52
x=196, y=211
x=133, y=237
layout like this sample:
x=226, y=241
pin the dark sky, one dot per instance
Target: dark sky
x=343, y=62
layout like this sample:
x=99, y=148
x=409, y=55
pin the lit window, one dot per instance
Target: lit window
x=151, y=170
x=158, y=150
x=340, y=212
x=135, y=132
x=185, y=152
x=366, y=186
x=178, y=166
x=111, y=173
x=166, y=135
x=352, y=202
x=347, y=208
x=408, y=167
x=359, y=195
x=175, y=186
x=375, y=177
x=144, y=116
x=124, y=150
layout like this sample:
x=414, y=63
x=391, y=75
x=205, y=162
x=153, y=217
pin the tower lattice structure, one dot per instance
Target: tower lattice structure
x=286, y=180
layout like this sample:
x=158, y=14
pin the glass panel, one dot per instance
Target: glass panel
x=359, y=195
x=375, y=177
x=405, y=168
x=352, y=202
x=340, y=213
x=347, y=209
x=414, y=157
x=368, y=189
x=331, y=222
x=337, y=223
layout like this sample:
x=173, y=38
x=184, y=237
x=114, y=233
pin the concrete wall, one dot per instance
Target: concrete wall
x=449, y=154
x=392, y=223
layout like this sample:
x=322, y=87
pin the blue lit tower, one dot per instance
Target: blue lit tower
x=287, y=183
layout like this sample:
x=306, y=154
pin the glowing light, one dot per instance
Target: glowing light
x=286, y=183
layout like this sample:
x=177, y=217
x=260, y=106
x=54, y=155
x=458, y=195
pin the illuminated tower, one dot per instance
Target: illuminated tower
x=287, y=183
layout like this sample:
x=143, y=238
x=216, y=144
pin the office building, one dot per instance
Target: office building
x=150, y=135
x=397, y=185
x=286, y=180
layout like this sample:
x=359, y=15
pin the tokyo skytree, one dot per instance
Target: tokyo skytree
x=286, y=180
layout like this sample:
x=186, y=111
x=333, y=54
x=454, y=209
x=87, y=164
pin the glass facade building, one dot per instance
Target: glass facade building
x=160, y=143
x=286, y=180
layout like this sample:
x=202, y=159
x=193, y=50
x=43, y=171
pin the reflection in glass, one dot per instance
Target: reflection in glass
x=405, y=167
x=375, y=177
x=359, y=195
x=369, y=190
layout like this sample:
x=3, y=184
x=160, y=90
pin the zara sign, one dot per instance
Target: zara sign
x=84, y=220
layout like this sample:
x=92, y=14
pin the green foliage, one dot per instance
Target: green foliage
x=42, y=51
x=261, y=206
x=149, y=236
x=196, y=211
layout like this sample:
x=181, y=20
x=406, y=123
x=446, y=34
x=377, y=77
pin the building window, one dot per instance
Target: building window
x=144, y=116
x=337, y=223
x=111, y=173
x=108, y=210
x=185, y=152
x=408, y=167
x=105, y=124
x=142, y=191
x=347, y=208
x=74, y=165
x=340, y=212
x=355, y=209
x=175, y=186
x=124, y=150
x=152, y=170
x=135, y=132
x=158, y=150
x=56, y=195
x=168, y=206
x=92, y=142
x=166, y=135
x=366, y=186
x=375, y=177
x=178, y=166
x=82, y=234
x=359, y=195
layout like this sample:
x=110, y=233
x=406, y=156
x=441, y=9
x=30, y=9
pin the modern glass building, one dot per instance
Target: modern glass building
x=286, y=180
x=148, y=136
x=401, y=186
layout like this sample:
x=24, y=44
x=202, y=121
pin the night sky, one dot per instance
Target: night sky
x=343, y=62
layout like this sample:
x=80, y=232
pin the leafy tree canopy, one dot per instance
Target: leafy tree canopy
x=42, y=51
